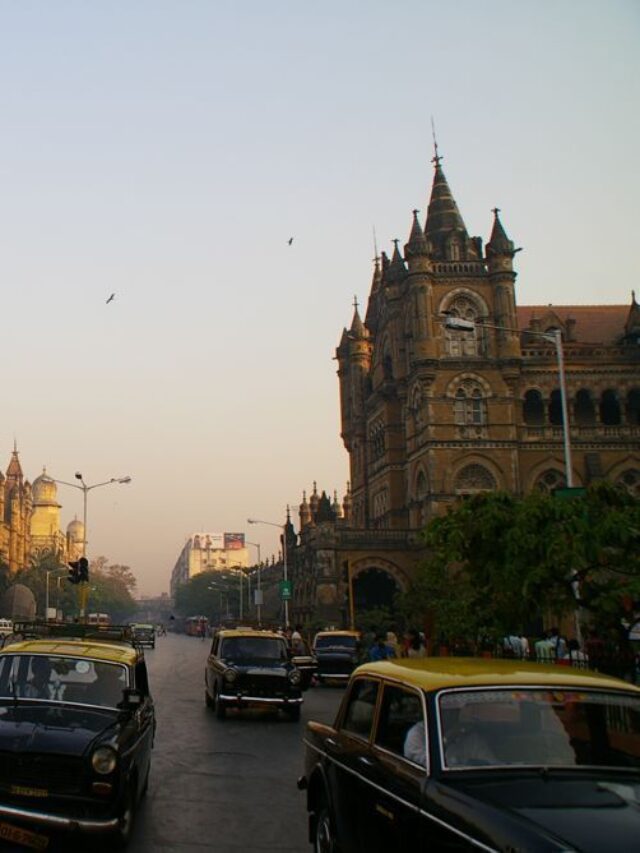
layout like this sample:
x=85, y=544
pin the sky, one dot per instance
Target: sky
x=166, y=151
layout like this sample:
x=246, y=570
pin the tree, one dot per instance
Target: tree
x=214, y=594
x=111, y=589
x=495, y=561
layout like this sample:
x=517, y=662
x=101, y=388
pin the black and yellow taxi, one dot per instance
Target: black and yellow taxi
x=77, y=726
x=144, y=634
x=249, y=667
x=337, y=654
x=452, y=754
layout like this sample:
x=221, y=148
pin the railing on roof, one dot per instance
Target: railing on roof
x=74, y=631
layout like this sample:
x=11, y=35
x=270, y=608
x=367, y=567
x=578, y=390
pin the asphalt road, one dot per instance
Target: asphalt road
x=228, y=786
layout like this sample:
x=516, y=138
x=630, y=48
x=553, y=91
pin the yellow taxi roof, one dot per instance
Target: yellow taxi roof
x=112, y=652
x=249, y=632
x=439, y=673
x=338, y=633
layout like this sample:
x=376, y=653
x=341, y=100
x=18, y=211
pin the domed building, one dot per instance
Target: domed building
x=46, y=535
x=75, y=539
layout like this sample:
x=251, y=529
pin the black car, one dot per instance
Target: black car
x=337, y=654
x=453, y=754
x=76, y=730
x=144, y=634
x=250, y=668
x=303, y=659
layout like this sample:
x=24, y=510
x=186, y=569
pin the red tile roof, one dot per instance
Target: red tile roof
x=595, y=324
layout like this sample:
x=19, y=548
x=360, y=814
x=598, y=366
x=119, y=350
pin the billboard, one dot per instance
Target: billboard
x=233, y=541
x=209, y=541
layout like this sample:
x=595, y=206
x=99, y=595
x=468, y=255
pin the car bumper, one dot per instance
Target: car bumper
x=258, y=700
x=55, y=821
x=337, y=675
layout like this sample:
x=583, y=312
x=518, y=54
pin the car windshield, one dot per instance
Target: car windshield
x=253, y=650
x=329, y=641
x=538, y=727
x=52, y=678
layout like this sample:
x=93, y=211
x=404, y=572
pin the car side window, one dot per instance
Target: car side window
x=214, y=645
x=142, y=682
x=401, y=725
x=361, y=706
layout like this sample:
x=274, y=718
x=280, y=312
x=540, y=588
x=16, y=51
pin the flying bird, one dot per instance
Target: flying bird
x=290, y=240
x=111, y=298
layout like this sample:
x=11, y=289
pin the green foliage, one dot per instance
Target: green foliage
x=497, y=561
x=213, y=594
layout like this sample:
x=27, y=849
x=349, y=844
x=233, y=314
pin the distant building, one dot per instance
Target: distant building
x=430, y=414
x=208, y=552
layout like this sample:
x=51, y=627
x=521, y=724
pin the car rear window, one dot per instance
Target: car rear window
x=253, y=649
x=330, y=642
x=540, y=727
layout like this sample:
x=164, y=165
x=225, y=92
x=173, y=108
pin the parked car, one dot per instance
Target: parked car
x=77, y=726
x=337, y=653
x=144, y=634
x=451, y=754
x=251, y=668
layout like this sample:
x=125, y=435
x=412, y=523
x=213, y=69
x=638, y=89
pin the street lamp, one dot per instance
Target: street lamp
x=285, y=578
x=85, y=489
x=554, y=337
x=259, y=590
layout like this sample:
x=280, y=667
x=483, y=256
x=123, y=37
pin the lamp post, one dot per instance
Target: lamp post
x=285, y=577
x=46, y=595
x=554, y=337
x=258, y=592
x=85, y=489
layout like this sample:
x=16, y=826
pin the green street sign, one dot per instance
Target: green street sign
x=569, y=492
x=285, y=590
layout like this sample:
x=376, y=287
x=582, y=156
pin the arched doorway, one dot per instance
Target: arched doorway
x=374, y=588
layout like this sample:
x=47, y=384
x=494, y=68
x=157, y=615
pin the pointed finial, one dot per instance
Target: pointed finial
x=436, y=157
x=355, y=302
x=633, y=297
x=376, y=256
x=495, y=211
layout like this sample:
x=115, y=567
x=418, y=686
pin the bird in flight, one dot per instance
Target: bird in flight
x=111, y=298
x=290, y=240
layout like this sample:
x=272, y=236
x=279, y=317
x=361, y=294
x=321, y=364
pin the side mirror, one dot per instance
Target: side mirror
x=131, y=699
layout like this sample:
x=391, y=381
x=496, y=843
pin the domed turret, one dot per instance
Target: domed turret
x=45, y=490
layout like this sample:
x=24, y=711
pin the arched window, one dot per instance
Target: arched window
x=555, y=408
x=584, y=410
x=630, y=480
x=474, y=478
x=376, y=440
x=633, y=407
x=469, y=406
x=533, y=408
x=610, y=414
x=459, y=343
x=550, y=480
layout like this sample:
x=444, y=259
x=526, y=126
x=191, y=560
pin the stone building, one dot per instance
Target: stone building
x=30, y=520
x=204, y=552
x=430, y=413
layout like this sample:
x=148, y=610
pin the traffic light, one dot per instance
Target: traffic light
x=74, y=571
x=83, y=570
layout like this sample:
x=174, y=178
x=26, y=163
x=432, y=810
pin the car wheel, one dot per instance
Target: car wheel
x=293, y=713
x=126, y=818
x=324, y=838
x=221, y=709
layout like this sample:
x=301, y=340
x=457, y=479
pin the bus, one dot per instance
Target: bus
x=99, y=619
x=195, y=626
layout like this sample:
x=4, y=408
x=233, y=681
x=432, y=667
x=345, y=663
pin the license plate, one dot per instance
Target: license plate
x=21, y=791
x=33, y=840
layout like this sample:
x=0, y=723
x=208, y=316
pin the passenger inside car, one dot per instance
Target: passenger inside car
x=107, y=688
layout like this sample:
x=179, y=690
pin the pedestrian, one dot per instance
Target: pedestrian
x=379, y=650
x=415, y=646
x=575, y=655
x=559, y=643
x=392, y=644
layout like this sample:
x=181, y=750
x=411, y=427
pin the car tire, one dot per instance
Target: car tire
x=293, y=713
x=324, y=835
x=221, y=709
x=126, y=818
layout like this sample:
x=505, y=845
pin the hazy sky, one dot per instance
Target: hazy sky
x=167, y=151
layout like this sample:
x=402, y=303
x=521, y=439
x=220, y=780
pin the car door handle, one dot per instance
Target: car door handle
x=332, y=745
x=364, y=759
